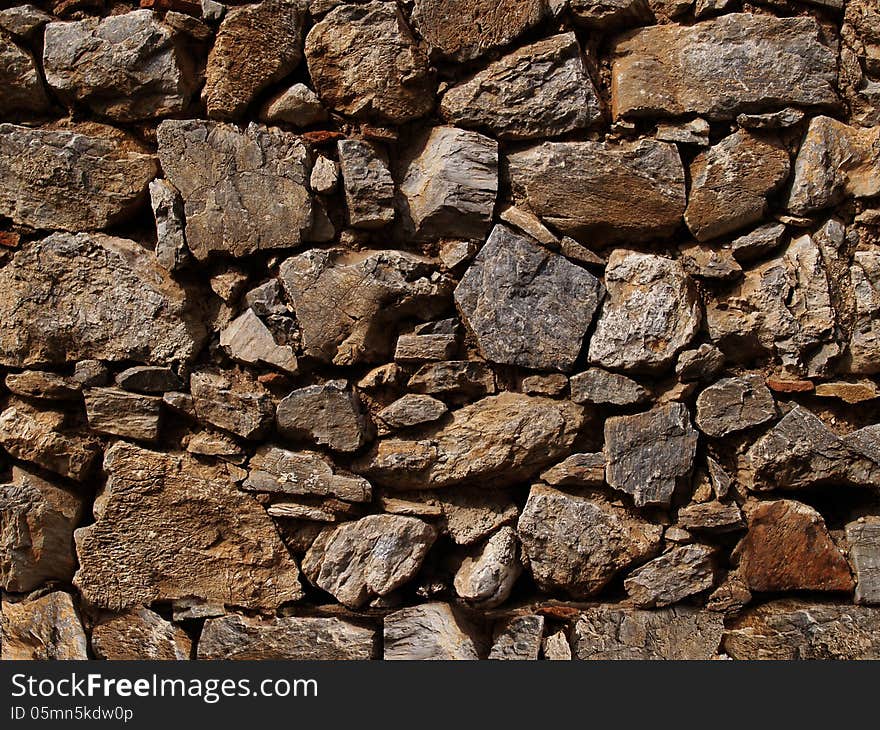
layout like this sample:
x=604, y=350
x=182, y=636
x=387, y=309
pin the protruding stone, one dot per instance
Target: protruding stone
x=540, y=90
x=650, y=454
x=329, y=415
x=91, y=373
x=518, y=639
x=734, y=404
x=218, y=445
x=248, y=340
x=709, y=262
x=171, y=249
x=298, y=105
x=256, y=46
x=601, y=387
x=600, y=193
x=412, y=410
x=148, y=379
x=22, y=93
x=577, y=545
x=760, y=241
x=120, y=413
x=23, y=21
x=486, y=577
x=672, y=577
x=369, y=187
x=864, y=344
x=466, y=378
x=469, y=515
x=555, y=647
x=578, y=470
x=419, y=348
x=370, y=557
x=43, y=385
x=711, y=517
x=609, y=15
x=703, y=363
x=527, y=306
x=232, y=401
x=429, y=631
x=863, y=536
x=208, y=539
x=140, y=634
x=46, y=628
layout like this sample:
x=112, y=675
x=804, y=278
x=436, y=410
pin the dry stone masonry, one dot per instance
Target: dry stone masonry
x=440, y=329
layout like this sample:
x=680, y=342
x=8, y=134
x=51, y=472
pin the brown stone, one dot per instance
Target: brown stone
x=42, y=629
x=140, y=634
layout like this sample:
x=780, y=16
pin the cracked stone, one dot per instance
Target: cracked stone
x=672, y=577
x=140, y=634
x=430, y=631
x=734, y=404
x=368, y=185
x=171, y=249
x=42, y=629
x=328, y=415
x=120, y=413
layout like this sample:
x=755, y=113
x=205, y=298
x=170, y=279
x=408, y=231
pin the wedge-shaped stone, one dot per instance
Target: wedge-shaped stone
x=430, y=631
x=498, y=440
x=71, y=297
x=207, y=540
x=82, y=178
x=285, y=638
x=675, y=575
x=125, y=67
x=138, y=635
x=527, y=305
x=540, y=90
x=719, y=68
x=233, y=401
x=599, y=386
x=43, y=629
x=369, y=557
x=601, y=193
x=120, y=413
x=577, y=545
x=21, y=89
x=243, y=191
x=250, y=341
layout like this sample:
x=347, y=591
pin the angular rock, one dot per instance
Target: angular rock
x=672, y=577
x=708, y=262
x=799, y=629
x=208, y=539
x=232, y=401
x=863, y=536
x=120, y=413
x=467, y=378
x=369, y=290
x=329, y=415
x=835, y=161
x=40, y=437
x=801, y=452
x=527, y=306
x=760, y=241
x=469, y=516
x=577, y=545
x=650, y=454
x=703, y=363
x=430, y=631
x=606, y=15
x=858, y=392
x=126, y=67
x=696, y=131
x=256, y=46
x=243, y=191
x=43, y=629
x=325, y=176
x=369, y=187
x=680, y=633
x=299, y=106
x=216, y=444
x=23, y=21
x=369, y=557
x=285, y=638
x=82, y=178
x=711, y=517
x=540, y=90
x=418, y=348
x=864, y=344
x=148, y=379
x=449, y=183
x=555, y=647
x=364, y=62
x=604, y=388
x=652, y=312
x=140, y=634
x=486, y=577
x=518, y=639
x=463, y=30
x=412, y=410
x=738, y=63
x=788, y=548
x=43, y=385
x=279, y=471
x=167, y=205
x=730, y=183
x=578, y=470
x=267, y=299
x=37, y=519
x=496, y=441
x=734, y=404
x=553, y=384
x=21, y=88
x=600, y=193
x=248, y=340
x=784, y=118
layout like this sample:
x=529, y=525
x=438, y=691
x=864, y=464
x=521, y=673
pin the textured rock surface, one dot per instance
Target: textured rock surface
x=280, y=471
x=518, y=640
x=863, y=536
x=602, y=387
x=430, y=631
x=42, y=629
x=527, y=305
x=369, y=187
x=487, y=577
x=327, y=415
x=22, y=92
x=119, y=413
x=673, y=576
x=231, y=401
x=250, y=341
x=734, y=404
x=138, y=635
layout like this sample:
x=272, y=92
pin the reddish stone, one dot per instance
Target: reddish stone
x=780, y=385
x=273, y=380
x=322, y=136
x=788, y=548
x=190, y=7
x=8, y=239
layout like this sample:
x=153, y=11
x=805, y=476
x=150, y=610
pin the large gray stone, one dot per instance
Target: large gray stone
x=734, y=404
x=328, y=415
x=369, y=187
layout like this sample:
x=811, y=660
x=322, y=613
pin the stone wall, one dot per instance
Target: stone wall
x=440, y=329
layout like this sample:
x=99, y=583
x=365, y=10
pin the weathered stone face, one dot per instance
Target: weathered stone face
x=675, y=575
x=232, y=401
x=486, y=577
x=734, y=404
x=243, y=191
x=327, y=415
x=44, y=629
x=527, y=305
x=21, y=88
x=139, y=635
x=737, y=63
x=427, y=632
x=82, y=178
x=863, y=537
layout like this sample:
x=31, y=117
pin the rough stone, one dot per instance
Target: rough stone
x=863, y=537
x=787, y=547
x=42, y=629
x=216, y=444
x=608, y=15
x=208, y=540
x=369, y=187
x=679, y=633
x=148, y=379
x=419, y=348
x=696, y=131
x=672, y=577
x=553, y=384
x=140, y=634
x=248, y=340
x=782, y=119
x=329, y=415
x=364, y=62
x=430, y=631
x=22, y=93
x=758, y=242
x=578, y=470
x=85, y=177
x=370, y=292
x=518, y=639
x=467, y=378
x=864, y=344
x=738, y=63
x=601, y=387
x=325, y=176
x=43, y=385
x=496, y=441
x=486, y=577
x=126, y=67
x=730, y=183
x=540, y=90
x=120, y=413
x=708, y=262
x=171, y=249
x=256, y=46
x=37, y=519
x=449, y=183
x=577, y=545
x=711, y=517
x=24, y=21
x=526, y=305
x=232, y=401
x=600, y=193
x=858, y=392
x=243, y=191
x=555, y=647
x=469, y=516
x=703, y=363
x=298, y=105
x=368, y=557
x=734, y=404
x=412, y=410
x=650, y=454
